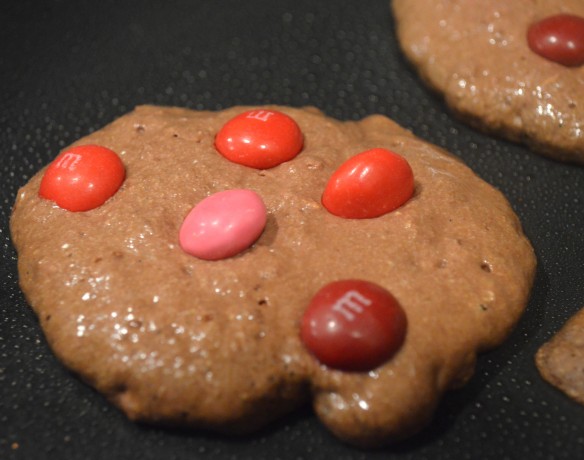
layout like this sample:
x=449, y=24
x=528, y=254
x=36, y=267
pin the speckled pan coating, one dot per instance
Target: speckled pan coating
x=475, y=54
x=171, y=339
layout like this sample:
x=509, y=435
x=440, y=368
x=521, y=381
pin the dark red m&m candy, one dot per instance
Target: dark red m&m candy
x=559, y=38
x=83, y=177
x=260, y=139
x=353, y=325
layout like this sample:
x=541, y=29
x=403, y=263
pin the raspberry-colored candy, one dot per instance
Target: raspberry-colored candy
x=368, y=185
x=259, y=139
x=83, y=177
x=353, y=325
x=559, y=38
x=223, y=224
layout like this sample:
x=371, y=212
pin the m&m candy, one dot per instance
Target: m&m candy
x=83, y=177
x=223, y=224
x=369, y=184
x=559, y=38
x=353, y=325
x=260, y=139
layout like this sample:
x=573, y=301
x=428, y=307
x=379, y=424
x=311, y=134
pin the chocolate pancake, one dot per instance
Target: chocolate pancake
x=176, y=340
x=477, y=56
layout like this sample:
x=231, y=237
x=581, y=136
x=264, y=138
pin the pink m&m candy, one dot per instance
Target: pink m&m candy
x=260, y=139
x=353, y=325
x=223, y=224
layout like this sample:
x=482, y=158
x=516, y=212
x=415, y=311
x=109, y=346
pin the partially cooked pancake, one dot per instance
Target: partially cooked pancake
x=173, y=339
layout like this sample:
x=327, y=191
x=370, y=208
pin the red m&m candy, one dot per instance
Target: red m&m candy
x=559, y=38
x=260, y=139
x=83, y=177
x=353, y=325
x=368, y=185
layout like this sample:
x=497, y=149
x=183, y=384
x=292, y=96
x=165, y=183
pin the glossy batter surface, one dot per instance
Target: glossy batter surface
x=477, y=55
x=173, y=339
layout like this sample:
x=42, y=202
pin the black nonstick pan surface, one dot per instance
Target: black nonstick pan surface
x=68, y=67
